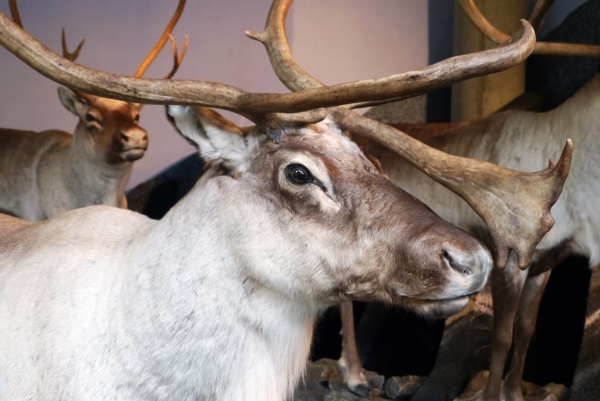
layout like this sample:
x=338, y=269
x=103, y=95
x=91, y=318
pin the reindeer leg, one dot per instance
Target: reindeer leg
x=524, y=329
x=349, y=363
x=123, y=202
x=526, y=318
x=506, y=291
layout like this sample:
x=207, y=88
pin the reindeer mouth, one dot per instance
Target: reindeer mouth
x=437, y=308
x=133, y=154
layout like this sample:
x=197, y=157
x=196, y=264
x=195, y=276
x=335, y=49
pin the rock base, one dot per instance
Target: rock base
x=324, y=383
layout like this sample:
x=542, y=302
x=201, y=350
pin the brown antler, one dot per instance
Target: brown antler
x=202, y=93
x=514, y=205
x=14, y=12
x=177, y=59
x=65, y=51
x=539, y=12
x=16, y=17
x=311, y=95
x=161, y=43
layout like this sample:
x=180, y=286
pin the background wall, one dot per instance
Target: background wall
x=335, y=40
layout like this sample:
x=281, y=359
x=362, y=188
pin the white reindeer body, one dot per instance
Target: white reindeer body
x=217, y=300
x=44, y=174
x=204, y=338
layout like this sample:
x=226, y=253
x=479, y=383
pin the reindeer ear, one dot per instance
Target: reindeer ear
x=72, y=101
x=217, y=139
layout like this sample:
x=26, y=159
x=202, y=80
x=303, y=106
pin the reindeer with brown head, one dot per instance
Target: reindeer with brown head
x=43, y=174
x=218, y=299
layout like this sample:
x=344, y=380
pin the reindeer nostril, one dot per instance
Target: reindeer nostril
x=124, y=137
x=455, y=265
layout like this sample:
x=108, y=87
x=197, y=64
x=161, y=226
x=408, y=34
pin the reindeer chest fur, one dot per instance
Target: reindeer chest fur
x=146, y=325
x=43, y=174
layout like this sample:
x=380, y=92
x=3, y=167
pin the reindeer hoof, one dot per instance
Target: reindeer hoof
x=361, y=389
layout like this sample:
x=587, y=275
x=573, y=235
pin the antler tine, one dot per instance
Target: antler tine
x=295, y=78
x=479, y=20
x=16, y=17
x=162, y=41
x=543, y=48
x=289, y=72
x=65, y=51
x=14, y=12
x=515, y=206
x=540, y=10
x=274, y=38
x=177, y=58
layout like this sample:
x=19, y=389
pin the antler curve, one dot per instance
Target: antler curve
x=16, y=17
x=177, y=58
x=14, y=12
x=537, y=18
x=162, y=42
x=539, y=13
x=72, y=56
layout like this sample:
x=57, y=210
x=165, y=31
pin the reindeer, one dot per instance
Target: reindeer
x=43, y=174
x=217, y=300
x=519, y=140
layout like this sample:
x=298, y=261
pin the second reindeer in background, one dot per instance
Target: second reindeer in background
x=43, y=174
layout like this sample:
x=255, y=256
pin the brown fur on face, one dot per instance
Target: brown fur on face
x=111, y=127
x=405, y=237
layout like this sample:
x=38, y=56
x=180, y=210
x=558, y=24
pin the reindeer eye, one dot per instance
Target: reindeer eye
x=136, y=118
x=90, y=118
x=298, y=174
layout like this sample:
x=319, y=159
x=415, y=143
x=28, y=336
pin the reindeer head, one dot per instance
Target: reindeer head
x=107, y=128
x=369, y=239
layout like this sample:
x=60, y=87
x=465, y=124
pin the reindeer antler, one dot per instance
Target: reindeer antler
x=16, y=17
x=161, y=43
x=65, y=51
x=485, y=186
x=14, y=12
x=537, y=18
x=539, y=13
x=210, y=94
x=514, y=205
x=177, y=59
